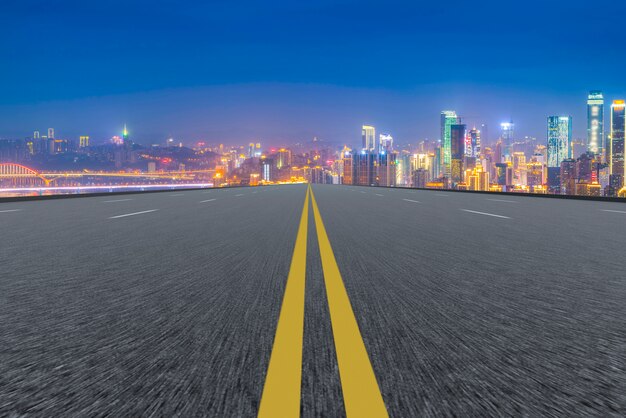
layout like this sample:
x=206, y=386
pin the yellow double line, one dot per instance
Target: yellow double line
x=282, y=391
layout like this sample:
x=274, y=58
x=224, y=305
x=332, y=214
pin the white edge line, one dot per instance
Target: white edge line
x=501, y=200
x=204, y=201
x=132, y=214
x=613, y=211
x=379, y=194
x=409, y=200
x=118, y=200
x=484, y=213
x=10, y=210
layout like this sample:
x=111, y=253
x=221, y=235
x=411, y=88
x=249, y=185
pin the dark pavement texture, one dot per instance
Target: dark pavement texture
x=173, y=312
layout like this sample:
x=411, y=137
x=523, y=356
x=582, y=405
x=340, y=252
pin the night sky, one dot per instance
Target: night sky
x=279, y=72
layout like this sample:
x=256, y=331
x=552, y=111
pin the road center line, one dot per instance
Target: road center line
x=118, y=200
x=10, y=210
x=379, y=194
x=237, y=195
x=361, y=394
x=484, y=213
x=613, y=211
x=500, y=200
x=133, y=214
x=409, y=200
x=209, y=200
x=283, y=382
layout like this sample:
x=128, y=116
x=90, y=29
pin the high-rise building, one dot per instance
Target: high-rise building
x=474, y=142
x=420, y=178
x=83, y=141
x=616, y=149
x=519, y=169
x=368, y=136
x=386, y=143
x=448, y=118
x=36, y=135
x=457, y=152
x=507, y=133
x=559, y=139
x=568, y=176
x=284, y=158
x=559, y=148
x=595, y=122
x=125, y=136
x=50, y=133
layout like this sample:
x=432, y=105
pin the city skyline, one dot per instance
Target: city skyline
x=145, y=134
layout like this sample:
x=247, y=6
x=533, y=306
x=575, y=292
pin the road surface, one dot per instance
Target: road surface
x=168, y=304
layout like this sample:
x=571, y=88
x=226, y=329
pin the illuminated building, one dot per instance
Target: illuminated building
x=83, y=142
x=616, y=150
x=519, y=168
x=125, y=139
x=474, y=143
x=36, y=135
x=283, y=158
x=368, y=136
x=457, y=152
x=404, y=168
x=386, y=169
x=50, y=133
x=364, y=168
x=559, y=148
x=385, y=143
x=507, y=132
x=348, y=168
x=595, y=122
x=534, y=174
x=478, y=179
x=448, y=118
x=568, y=176
x=251, y=150
x=267, y=169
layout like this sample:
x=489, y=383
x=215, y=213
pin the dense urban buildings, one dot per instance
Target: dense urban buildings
x=461, y=158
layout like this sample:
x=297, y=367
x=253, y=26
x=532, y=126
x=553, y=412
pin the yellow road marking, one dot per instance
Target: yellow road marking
x=361, y=394
x=283, y=382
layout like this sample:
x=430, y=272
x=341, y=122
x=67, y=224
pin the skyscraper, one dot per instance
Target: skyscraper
x=595, y=122
x=83, y=141
x=474, y=135
x=36, y=135
x=559, y=148
x=386, y=143
x=448, y=118
x=369, y=137
x=50, y=133
x=559, y=139
x=507, y=132
x=457, y=152
x=616, y=150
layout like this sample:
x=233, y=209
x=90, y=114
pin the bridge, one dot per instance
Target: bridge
x=19, y=174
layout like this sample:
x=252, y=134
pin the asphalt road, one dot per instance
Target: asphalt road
x=167, y=304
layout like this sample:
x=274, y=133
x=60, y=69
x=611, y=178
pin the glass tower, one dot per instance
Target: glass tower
x=616, y=149
x=559, y=140
x=448, y=118
x=595, y=122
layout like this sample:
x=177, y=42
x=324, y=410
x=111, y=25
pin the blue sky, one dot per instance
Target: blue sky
x=281, y=72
